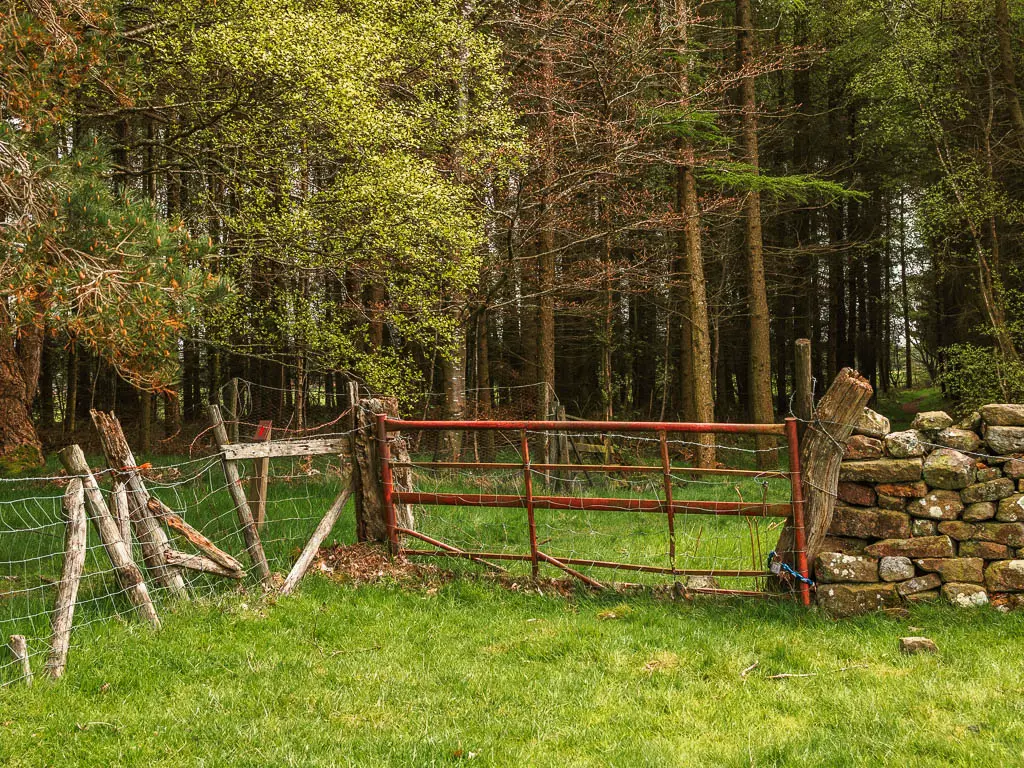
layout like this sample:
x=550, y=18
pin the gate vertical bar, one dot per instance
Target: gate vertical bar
x=797, y=496
x=666, y=467
x=528, y=490
x=388, y=482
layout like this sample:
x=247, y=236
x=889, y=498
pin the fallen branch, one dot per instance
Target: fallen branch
x=200, y=563
x=788, y=675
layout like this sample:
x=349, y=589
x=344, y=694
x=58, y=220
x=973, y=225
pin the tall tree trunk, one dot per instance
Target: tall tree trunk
x=1009, y=69
x=908, y=349
x=546, y=257
x=19, y=443
x=757, y=291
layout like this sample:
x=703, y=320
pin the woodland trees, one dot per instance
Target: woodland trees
x=632, y=208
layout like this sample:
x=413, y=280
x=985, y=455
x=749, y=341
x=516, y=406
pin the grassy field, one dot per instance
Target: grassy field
x=468, y=672
x=432, y=669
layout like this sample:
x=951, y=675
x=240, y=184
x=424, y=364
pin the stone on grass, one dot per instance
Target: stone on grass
x=890, y=502
x=1011, y=509
x=905, y=445
x=1003, y=414
x=863, y=447
x=980, y=511
x=1010, y=534
x=919, y=584
x=924, y=546
x=872, y=424
x=903, y=490
x=986, y=550
x=837, y=568
x=948, y=469
x=960, y=439
x=869, y=523
x=920, y=527
x=931, y=421
x=967, y=569
x=881, y=471
x=937, y=505
x=855, y=493
x=1005, y=576
x=965, y=595
x=993, y=490
x=842, y=600
x=957, y=529
x=895, y=569
x=1005, y=440
x=912, y=645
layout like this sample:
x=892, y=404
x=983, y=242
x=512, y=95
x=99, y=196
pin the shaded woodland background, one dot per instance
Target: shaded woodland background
x=633, y=208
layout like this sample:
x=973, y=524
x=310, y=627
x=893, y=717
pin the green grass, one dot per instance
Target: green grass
x=900, y=406
x=465, y=671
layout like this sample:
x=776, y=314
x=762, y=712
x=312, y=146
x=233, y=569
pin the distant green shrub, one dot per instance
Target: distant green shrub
x=976, y=375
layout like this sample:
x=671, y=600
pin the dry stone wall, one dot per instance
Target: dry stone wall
x=935, y=512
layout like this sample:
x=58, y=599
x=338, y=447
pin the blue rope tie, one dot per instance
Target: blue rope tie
x=781, y=566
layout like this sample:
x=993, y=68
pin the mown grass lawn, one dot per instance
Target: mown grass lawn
x=470, y=672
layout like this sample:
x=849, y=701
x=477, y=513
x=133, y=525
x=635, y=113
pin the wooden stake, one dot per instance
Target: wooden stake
x=19, y=650
x=194, y=537
x=150, y=535
x=128, y=574
x=258, y=484
x=803, y=397
x=313, y=545
x=70, y=576
x=253, y=545
x=119, y=500
x=200, y=563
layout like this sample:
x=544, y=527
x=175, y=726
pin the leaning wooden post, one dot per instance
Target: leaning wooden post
x=820, y=457
x=803, y=397
x=313, y=545
x=151, y=537
x=19, y=650
x=128, y=574
x=70, y=576
x=253, y=545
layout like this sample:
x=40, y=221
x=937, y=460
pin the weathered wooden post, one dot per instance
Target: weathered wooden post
x=803, y=397
x=70, y=576
x=371, y=511
x=820, y=457
x=261, y=476
x=130, y=490
x=313, y=545
x=128, y=574
x=19, y=650
x=353, y=440
x=253, y=545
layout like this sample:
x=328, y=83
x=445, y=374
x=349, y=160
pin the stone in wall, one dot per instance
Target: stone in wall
x=869, y=523
x=986, y=550
x=957, y=529
x=857, y=494
x=1005, y=440
x=948, y=469
x=1014, y=469
x=1003, y=414
x=992, y=490
x=834, y=568
x=1005, y=576
x=872, y=424
x=881, y=471
x=890, y=502
x=921, y=527
x=908, y=444
x=1011, y=509
x=965, y=595
x=1010, y=534
x=844, y=545
x=959, y=439
x=937, y=505
x=863, y=447
x=931, y=421
x=895, y=569
x=842, y=600
x=925, y=546
x=918, y=584
x=979, y=511
x=902, y=490
x=963, y=569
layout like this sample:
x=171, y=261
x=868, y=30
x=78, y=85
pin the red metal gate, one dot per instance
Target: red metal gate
x=528, y=500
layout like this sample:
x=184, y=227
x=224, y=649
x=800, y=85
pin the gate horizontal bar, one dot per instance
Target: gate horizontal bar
x=740, y=508
x=397, y=425
x=460, y=554
x=639, y=468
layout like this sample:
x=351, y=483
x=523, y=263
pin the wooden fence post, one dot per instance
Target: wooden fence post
x=820, y=457
x=371, y=514
x=151, y=537
x=70, y=576
x=253, y=545
x=19, y=650
x=803, y=397
x=260, y=478
x=128, y=574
